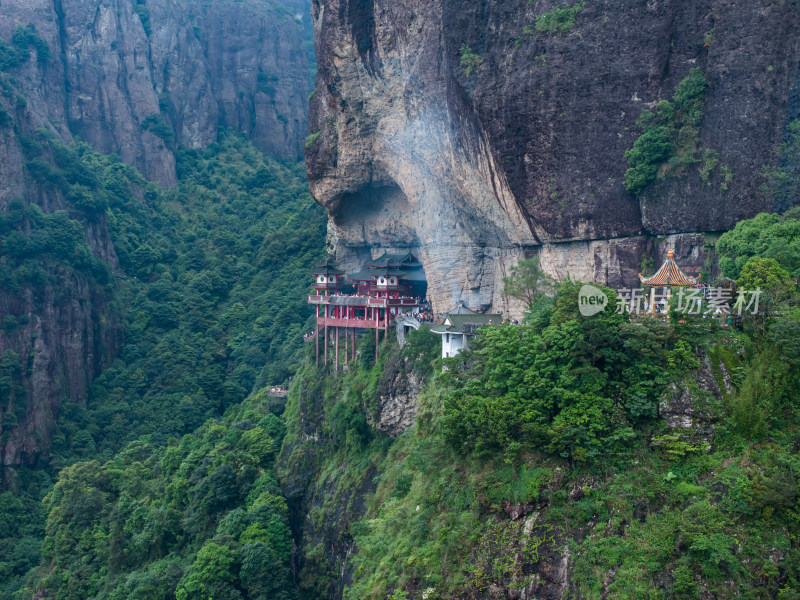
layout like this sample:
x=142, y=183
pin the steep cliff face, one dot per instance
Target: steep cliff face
x=480, y=132
x=116, y=65
x=259, y=73
x=65, y=336
x=137, y=78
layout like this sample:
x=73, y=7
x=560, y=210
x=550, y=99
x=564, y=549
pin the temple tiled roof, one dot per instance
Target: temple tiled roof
x=388, y=272
x=669, y=275
x=461, y=309
x=362, y=275
x=400, y=264
x=327, y=268
x=401, y=259
x=455, y=323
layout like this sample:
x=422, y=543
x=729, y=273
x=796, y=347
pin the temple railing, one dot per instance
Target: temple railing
x=363, y=301
x=357, y=323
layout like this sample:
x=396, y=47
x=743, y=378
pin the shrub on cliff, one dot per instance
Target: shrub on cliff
x=16, y=53
x=559, y=20
x=782, y=182
x=470, y=61
x=669, y=137
x=158, y=126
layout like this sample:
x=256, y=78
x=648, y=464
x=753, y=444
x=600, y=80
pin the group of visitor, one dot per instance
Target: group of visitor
x=423, y=316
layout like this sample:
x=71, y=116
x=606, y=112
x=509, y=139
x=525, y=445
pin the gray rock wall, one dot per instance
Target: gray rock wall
x=528, y=150
x=242, y=65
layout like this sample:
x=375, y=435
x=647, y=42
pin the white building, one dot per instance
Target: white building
x=459, y=326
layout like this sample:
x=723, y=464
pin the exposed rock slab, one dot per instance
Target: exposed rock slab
x=200, y=65
x=479, y=169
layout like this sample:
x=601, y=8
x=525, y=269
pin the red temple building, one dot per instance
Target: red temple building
x=370, y=299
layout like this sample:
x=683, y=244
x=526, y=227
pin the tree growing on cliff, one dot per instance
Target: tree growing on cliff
x=766, y=274
x=670, y=138
x=527, y=282
x=470, y=61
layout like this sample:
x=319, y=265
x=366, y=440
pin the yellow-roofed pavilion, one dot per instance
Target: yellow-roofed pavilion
x=669, y=276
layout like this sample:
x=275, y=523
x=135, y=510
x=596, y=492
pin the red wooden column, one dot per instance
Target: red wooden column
x=336, y=343
x=326, y=335
x=377, y=332
x=316, y=334
x=347, y=344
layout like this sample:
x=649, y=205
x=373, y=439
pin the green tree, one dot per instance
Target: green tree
x=210, y=576
x=767, y=235
x=263, y=575
x=554, y=386
x=528, y=282
x=766, y=274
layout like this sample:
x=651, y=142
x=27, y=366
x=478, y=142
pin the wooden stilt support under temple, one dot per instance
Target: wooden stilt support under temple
x=346, y=346
x=336, y=344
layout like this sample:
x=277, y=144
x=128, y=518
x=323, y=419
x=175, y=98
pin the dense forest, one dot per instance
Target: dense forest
x=211, y=285
x=546, y=444
x=550, y=446
x=201, y=518
x=552, y=457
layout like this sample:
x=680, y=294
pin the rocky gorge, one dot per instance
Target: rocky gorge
x=138, y=79
x=165, y=429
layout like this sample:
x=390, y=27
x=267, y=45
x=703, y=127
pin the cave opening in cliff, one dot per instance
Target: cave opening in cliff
x=378, y=223
x=376, y=216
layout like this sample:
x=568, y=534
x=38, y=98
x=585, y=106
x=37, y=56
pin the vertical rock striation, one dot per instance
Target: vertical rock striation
x=116, y=65
x=259, y=74
x=65, y=338
x=138, y=78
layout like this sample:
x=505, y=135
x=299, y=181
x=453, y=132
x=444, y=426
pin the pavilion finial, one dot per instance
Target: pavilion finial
x=670, y=254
